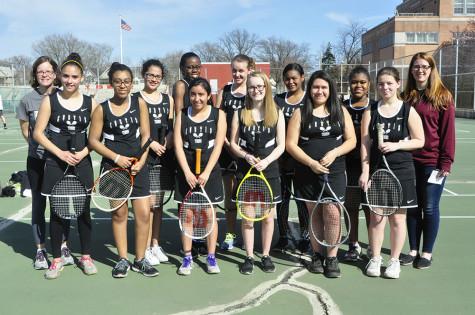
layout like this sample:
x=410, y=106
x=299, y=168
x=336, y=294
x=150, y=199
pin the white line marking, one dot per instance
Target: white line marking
x=462, y=131
x=13, y=150
x=450, y=192
x=13, y=161
x=14, y=218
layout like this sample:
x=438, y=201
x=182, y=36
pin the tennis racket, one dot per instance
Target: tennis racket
x=254, y=197
x=384, y=193
x=159, y=178
x=114, y=186
x=327, y=219
x=69, y=195
x=196, y=214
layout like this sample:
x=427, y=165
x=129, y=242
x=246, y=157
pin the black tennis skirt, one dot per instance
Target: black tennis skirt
x=308, y=187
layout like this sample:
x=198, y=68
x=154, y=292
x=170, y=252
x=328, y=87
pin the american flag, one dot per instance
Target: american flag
x=124, y=25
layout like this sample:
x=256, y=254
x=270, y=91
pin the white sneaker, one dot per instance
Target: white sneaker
x=393, y=270
x=41, y=260
x=186, y=266
x=373, y=268
x=151, y=258
x=158, y=252
x=66, y=256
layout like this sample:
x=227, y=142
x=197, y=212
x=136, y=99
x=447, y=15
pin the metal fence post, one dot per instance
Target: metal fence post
x=456, y=70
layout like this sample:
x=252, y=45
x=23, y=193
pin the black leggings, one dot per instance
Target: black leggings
x=283, y=210
x=58, y=226
x=35, y=170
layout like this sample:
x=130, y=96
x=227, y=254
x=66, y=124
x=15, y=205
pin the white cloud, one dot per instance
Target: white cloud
x=339, y=17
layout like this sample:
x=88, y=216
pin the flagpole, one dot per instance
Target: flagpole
x=120, y=28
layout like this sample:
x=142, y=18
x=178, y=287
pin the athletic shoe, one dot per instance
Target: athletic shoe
x=87, y=265
x=393, y=269
x=212, y=265
x=423, y=263
x=41, y=260
x=143, y=266
x=158, y=252
x=407, y=259
x=316, y=266
x=66, y=256
x=151, y=258
x=248, y=266
x=353, y=253
x=186, y=266
x=331, y=268
x=55, y=269
x=121, y=269
x=284, y=244
x=267, y=264
x=228, y=242
x=373, y=268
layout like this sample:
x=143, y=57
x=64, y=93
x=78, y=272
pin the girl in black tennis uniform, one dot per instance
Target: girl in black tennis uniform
x=230, y=99
x=122, y=122
x=43, y=81
x=319, y=135
x=294, y=81
x=160, y=110
x=200, y=126
x=403, y=133
x=67, y=115
x=357, y=103
x=190, y=67
x=259, y=115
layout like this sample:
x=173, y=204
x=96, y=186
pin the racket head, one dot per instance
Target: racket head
x=68, y=197
x=327, y=222
x=160, y=185
x=254, y=197
x=112, y=189
x=384, y=193
x=196, y=215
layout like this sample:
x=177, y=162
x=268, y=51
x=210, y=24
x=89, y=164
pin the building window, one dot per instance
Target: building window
x=464, y=7
x=422, y=37
x=367, y=48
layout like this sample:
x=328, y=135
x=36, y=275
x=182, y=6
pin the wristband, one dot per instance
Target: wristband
x=117, y=158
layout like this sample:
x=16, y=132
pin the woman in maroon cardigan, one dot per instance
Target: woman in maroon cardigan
x=434, y=103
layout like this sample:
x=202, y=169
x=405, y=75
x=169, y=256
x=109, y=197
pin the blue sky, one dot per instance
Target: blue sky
x=161, y=26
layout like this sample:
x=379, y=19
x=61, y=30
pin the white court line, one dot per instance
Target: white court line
x=20, y=215
x=12, y=161
x=462, y=131
x=450, y=192
x=13, y=150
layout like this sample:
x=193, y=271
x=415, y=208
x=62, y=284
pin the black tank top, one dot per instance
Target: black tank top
x=186, y=96
x=121, y=133
x=230, y=103
x=320, y=136
x=265, y=145
x=158, y=114
x=356, y=114
x=287, y=108
x=395, y=129
x=67, y=129
x=199, y=135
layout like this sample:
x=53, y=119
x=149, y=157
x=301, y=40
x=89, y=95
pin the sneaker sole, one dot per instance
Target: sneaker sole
x=146, y=275
x=373, y=275
x=269, y=271
x=332, y=275
x=247, y=273
x=390, y=277
x=40, y=267
x=119, y=276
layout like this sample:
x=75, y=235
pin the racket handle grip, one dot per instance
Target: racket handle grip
x=325, y=178
x=380, y=129
x=198, y=162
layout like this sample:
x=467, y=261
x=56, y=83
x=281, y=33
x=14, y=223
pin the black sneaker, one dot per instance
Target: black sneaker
x=248, y=266
x=144, y=267
x=316, y=266
x=121, y=268
x=423, y=263
x=353, y=253
x=284, y=244
x=267, y=264
x=332, y=270
x=405, y=259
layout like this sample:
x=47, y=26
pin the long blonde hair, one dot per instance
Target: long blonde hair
x=436, y=92
x=271, y=114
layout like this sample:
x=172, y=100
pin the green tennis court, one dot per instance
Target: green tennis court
x=446, y=288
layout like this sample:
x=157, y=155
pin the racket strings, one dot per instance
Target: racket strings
x=254, y=198
x=160, y=179
x=68, y=197
x=384, y=193
x=115, y=184
x=328, y=223
x=196, y=215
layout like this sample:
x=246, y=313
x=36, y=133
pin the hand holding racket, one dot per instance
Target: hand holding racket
x=384, y=192
x=327, y=219
x=114, y=186
x=196, y=213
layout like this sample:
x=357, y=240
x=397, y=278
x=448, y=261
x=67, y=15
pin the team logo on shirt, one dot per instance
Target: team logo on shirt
x=72, y=121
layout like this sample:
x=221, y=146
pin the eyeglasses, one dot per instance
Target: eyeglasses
x=259, y=88
x=48, y=72
x=193, y=67
x=421, y=67
x=151, y=76
x=120, y=82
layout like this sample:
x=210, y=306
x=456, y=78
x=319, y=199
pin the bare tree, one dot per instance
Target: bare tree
x=209, y=52
x=348, y=45
x=21, y=68
x=238, y=41
x=280, y=52
x=172, y=65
